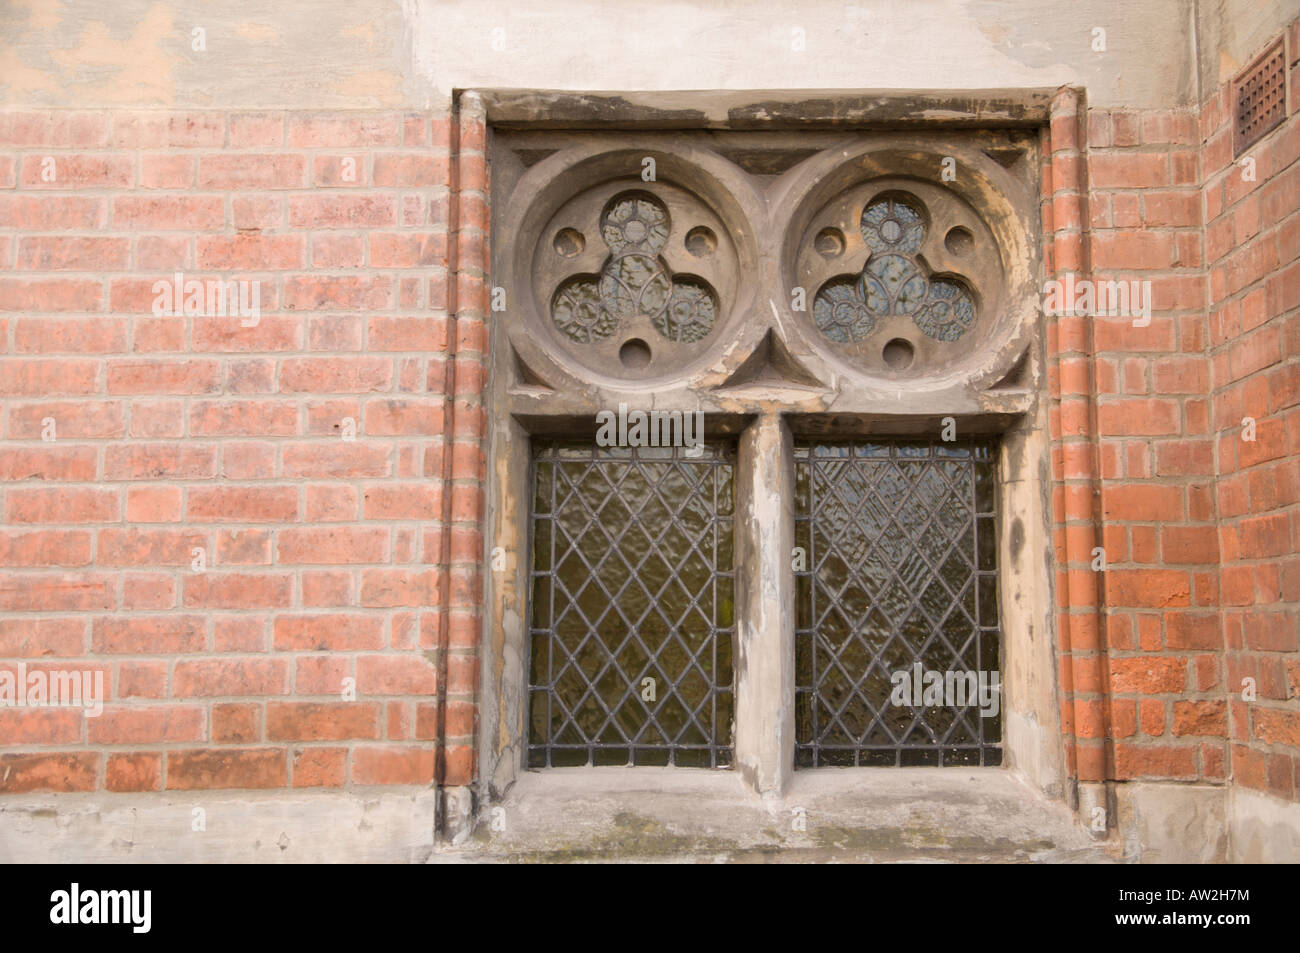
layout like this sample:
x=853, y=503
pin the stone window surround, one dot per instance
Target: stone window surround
x=1012, y=403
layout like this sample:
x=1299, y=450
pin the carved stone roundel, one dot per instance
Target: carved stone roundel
x=634, y=279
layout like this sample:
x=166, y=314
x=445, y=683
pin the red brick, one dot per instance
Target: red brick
x=328, y=503
x=1133, y=761
x=226, y=677
x=1128, y=170
x=60, y=253
x=154, y=725
x=1144, y=417
x=324, y=131
x=401, y=674
x=327, y=589
x=71, y=771
x=314, y=721
x=216, y=768
x=332, y=544
x=41, y=726
x=239, y=633
x=163, y=212
x=45, y=213
x=250, y=252
x=134, y=771
x=48, y=296
x=410, y=170
x=48, y=463
x=338, y=293
x=147, y=461
x=142, y=680
x=153, y=504
x=168, y=171
x=406, y=416
x=79, y=171
x=392, y=764
x=221, y=504
x=1277, y=726
x=237, y=591
x=57, y=128
x=152, y=130
x=164, y=377
x=256, y=130
x=342, y=211
x=149, y=635
x=316, y=767
x=134, y=546
x=321, y=674
x=45, y=548
x=328, y=632
x=420, y=501
x=1142, y=502
x=337, y=459
x=236, y=723
x=244, y=547
x=407, y=249
x=1148, y=675
x=243, y=418
x=415, y=333
x=44, y=505
x=235, y=171
x=32, y=638
x=336, y=375
x=1201, y=718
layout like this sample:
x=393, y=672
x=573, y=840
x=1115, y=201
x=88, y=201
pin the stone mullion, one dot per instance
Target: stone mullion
x=765, y=597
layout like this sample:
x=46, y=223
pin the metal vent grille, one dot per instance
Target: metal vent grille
x=1259, y=99
x=632, y=606
x=900, y=580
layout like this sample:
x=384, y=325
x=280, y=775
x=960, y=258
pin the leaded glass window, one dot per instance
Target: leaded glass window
x=897, y=638
x=818, y=285
x=633, y=612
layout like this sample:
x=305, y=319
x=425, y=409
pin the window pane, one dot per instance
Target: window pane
x=896, y=644
x=632, y=614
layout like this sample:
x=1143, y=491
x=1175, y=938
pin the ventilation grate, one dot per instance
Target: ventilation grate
x=1259, y=99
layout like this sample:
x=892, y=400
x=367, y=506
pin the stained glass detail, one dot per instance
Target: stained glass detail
x=633, y=611
x=578, y=312
x=634, y=280
x=839, y=312
x=846, y=310
x=900, y=577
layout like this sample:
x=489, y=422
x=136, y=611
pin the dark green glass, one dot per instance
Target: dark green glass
x=901, y=571
x=633, y=608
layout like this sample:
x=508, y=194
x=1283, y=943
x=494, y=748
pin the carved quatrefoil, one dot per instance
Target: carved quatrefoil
x=634, y=280
x=894, y=282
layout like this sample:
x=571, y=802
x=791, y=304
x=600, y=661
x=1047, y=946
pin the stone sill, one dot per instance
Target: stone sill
x=849, y=814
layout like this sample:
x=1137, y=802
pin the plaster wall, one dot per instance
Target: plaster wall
x=354, y=54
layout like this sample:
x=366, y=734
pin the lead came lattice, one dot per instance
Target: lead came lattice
x=900, y=542
x=632, y=579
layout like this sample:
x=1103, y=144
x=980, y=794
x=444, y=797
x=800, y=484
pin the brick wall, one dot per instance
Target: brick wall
x=1253, y=257
x=1136, y=542
x=1197, y=518
x=136, y=443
